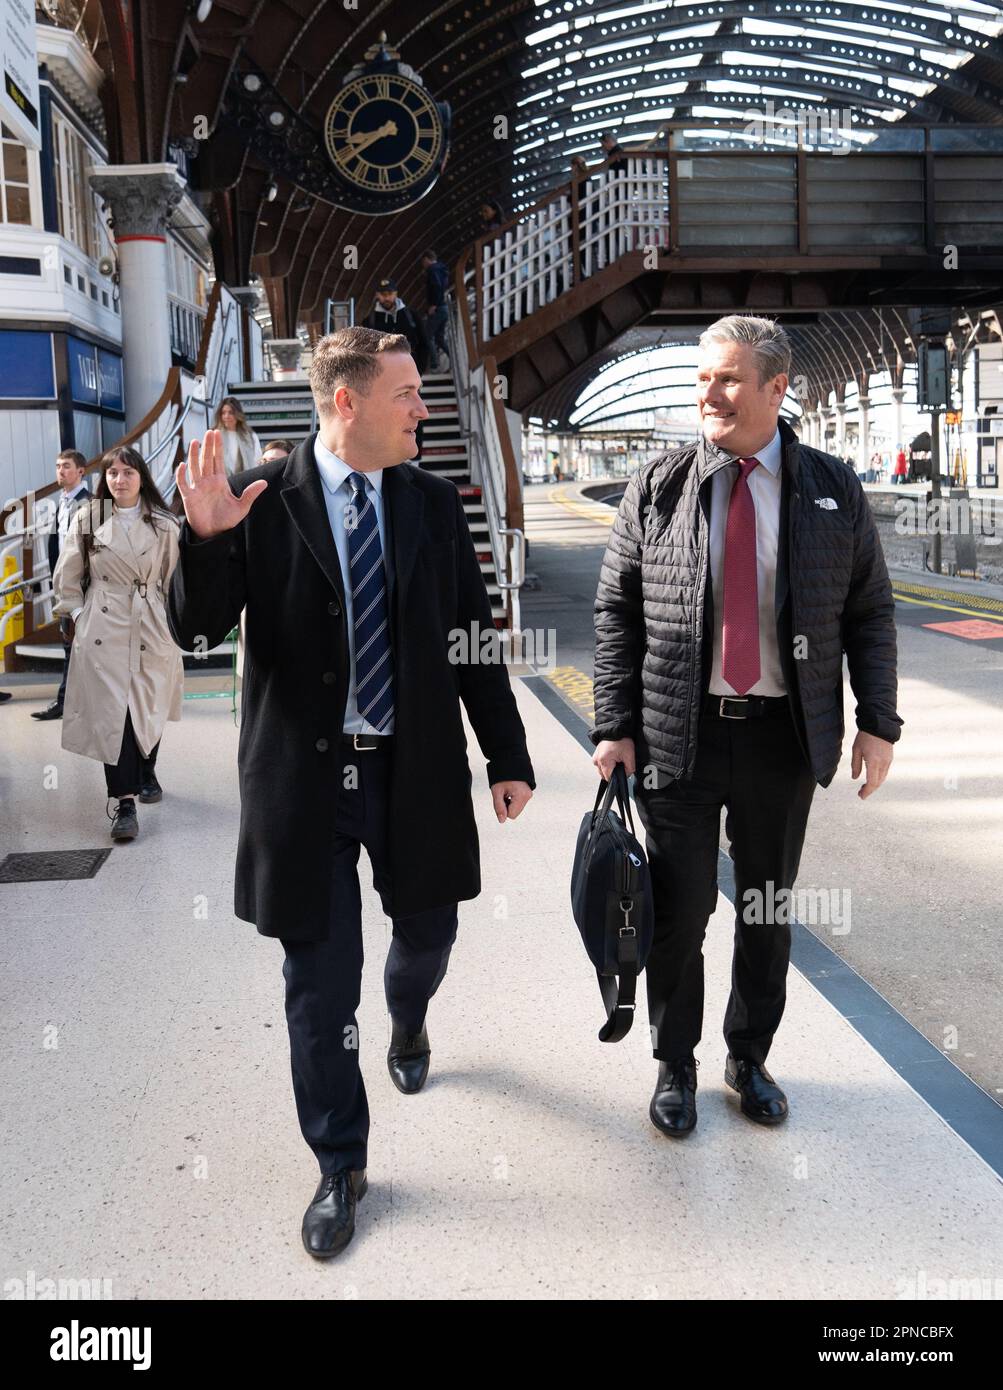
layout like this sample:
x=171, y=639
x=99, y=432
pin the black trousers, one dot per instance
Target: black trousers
x=324, y=978
x=67, y=649
x=755, y=769
x=130, y=772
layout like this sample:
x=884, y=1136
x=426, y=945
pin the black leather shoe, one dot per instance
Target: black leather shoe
x=329, y=1220
x=53, y=711
x=762, y=1099
x=673, y=1108
x=125, y=822
x=407, y=1059
x=5, y=695
x=151, y=790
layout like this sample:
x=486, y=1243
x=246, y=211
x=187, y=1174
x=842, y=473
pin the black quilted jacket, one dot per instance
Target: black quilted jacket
x=653, y=614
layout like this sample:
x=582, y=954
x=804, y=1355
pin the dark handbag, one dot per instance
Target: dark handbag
x=611, y=901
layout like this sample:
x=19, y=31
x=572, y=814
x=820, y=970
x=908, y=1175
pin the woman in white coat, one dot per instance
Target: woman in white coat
x=241, y=445
x=127, y=674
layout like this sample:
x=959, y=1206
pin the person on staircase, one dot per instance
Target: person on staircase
x=491, y=216
x=70, y=468
x=437, y=315
x=241, y=445
x=126, y=677
x=390, y=314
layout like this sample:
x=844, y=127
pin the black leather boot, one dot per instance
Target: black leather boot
x=125, y=822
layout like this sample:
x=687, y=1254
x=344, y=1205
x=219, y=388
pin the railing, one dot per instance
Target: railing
x=492, y=459
x=26, y=524
x=187, y=328
x=910, y=192
x=185, y=410
x=220, y=358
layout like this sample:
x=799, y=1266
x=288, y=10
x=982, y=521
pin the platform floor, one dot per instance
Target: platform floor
x=150, y=1136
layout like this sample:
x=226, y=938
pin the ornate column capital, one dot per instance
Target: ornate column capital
x=247, y=296
x=285, y=353
x=141, y=197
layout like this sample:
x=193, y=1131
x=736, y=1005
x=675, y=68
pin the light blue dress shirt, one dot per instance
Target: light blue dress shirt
x=338, y=495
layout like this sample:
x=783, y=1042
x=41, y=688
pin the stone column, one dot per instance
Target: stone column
x=141, y=198
x=821, y=419
x=898, y=396
x=863, y=432
x=285, y=354
x=840, y=445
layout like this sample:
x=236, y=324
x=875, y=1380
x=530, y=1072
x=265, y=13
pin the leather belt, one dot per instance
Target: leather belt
x=368, y=743
x=746, y=706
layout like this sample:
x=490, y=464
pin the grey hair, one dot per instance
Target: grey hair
x=770, y=345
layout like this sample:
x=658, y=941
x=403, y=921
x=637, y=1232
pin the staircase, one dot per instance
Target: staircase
x=284, y=410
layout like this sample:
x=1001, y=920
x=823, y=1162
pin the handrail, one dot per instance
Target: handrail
x=492, y=458
x=212, y=309
x=225, y=352
x=513, y=488
x=460, y=292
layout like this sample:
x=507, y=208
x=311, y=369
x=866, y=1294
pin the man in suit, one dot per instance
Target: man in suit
x=356, y=570
x=720, y=681
x=70, y=468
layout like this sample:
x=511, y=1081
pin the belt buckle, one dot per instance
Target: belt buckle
x=732, y=700
x=362, y=747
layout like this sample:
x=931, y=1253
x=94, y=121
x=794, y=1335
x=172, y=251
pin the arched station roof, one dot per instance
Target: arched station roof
x=560, y=72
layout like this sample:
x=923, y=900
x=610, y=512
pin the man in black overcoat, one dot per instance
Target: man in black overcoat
x=364, y=604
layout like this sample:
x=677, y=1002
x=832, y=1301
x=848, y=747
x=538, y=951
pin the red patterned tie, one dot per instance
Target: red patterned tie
x=740, y=629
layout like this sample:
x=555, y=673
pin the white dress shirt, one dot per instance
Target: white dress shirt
x=338, y=495
x=66, y=510
x=764, y=485
x=65, y=515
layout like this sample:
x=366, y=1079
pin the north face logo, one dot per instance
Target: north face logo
x=826, y=503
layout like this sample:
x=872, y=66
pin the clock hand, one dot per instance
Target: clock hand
x=364, y=139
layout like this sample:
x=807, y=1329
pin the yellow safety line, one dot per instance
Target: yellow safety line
x=574, y=504
x=994, y=605
x=950, y=608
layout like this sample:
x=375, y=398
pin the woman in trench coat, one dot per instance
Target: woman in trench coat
x=126, y=675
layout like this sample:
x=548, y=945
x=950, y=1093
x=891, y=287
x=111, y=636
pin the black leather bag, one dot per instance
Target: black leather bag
x=611, y=901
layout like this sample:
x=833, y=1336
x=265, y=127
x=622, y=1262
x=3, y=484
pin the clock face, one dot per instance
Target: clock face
x=386, y=139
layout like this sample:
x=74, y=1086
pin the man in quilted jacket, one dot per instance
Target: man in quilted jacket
x=738, y=571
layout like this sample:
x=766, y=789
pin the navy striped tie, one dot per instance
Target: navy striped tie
x=374, y=672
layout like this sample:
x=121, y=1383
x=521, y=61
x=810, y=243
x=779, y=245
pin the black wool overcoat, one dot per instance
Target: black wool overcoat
x=281, y=564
